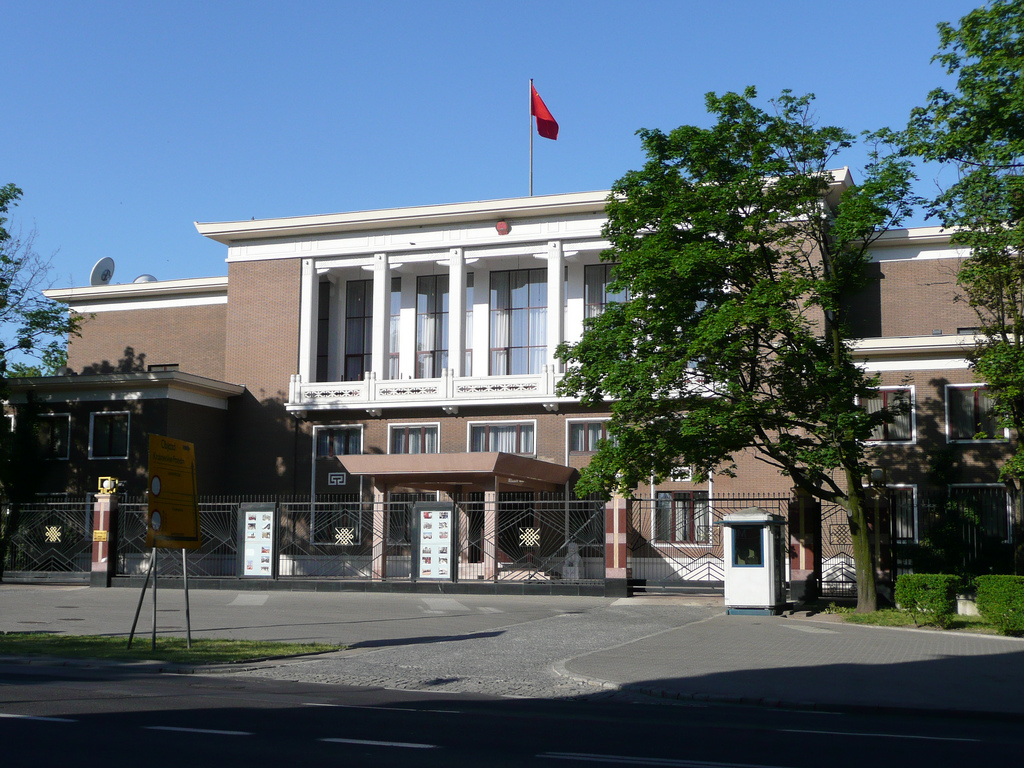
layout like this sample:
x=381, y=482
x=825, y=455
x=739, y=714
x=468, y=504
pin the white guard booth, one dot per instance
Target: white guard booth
x=755, y=562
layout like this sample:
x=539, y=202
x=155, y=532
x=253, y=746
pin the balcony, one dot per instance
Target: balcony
x=447, y=392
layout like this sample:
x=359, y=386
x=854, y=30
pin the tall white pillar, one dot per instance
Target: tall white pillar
x=308, y=297
x=381, y=315
x=556, y=300
x=456, y=312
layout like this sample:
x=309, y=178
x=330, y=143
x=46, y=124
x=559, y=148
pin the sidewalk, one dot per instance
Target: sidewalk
x=673, y=647
x=818, y=663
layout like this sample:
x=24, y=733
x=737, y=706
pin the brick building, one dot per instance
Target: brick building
x=412, y=351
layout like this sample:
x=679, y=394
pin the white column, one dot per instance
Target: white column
x=308, y=297
x=407, y=329
x=381, y=315
x=456, y=312
x=556, y=299
x=481, y=321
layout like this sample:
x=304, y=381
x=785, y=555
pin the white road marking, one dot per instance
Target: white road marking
x=485, y=609
x=444, y=604
x=249, y=600
x=365, y=742
x=878, y=735
x=810, y=630
x=380, y=709
x=629, y=760
x=39, y=718
x=195, y=730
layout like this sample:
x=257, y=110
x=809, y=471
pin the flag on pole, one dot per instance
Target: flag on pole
x=546, y=125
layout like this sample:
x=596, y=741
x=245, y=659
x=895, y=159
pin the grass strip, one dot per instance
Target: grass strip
x=890, y=617
x=170, y=649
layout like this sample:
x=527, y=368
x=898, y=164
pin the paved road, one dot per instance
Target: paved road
x=564, y=647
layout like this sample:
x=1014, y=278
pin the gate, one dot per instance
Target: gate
x=54, y=537
x=838, y=572
x=675, y=539
x=533, y=539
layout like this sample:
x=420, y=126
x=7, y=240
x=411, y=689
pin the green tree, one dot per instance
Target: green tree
x=739, y=253
x=977, y=127
x=30, y=324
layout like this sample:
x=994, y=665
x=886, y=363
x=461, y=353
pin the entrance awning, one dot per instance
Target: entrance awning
x=465, y=471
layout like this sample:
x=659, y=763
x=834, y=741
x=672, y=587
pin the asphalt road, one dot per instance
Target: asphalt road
x=98, y=717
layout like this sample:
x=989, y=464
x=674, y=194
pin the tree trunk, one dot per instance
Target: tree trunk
x=863, y=553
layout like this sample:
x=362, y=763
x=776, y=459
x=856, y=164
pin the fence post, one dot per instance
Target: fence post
x=616, y=583
x=104, y=540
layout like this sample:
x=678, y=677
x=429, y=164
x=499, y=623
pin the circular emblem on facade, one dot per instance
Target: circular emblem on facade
x=503, y=227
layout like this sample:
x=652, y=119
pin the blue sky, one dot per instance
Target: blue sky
x=124, y=122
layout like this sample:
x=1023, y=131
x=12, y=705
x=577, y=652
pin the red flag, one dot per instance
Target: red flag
x=546, y=125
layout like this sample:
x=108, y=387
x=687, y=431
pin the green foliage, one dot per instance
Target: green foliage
x=1001, y=602
x=739, y=250
x=928, y=596
x=37, y=326
x=978, y=127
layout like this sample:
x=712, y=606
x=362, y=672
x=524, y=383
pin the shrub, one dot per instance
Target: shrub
x=1001, y=602
x=931, y=595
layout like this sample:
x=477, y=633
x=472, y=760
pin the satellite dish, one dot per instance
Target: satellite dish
x=102, y=271
x=144, y=279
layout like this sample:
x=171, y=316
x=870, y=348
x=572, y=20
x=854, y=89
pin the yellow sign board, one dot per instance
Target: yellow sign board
x=173, y=519
x=99, y=535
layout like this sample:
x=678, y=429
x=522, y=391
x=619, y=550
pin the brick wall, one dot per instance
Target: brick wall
x=191, y=337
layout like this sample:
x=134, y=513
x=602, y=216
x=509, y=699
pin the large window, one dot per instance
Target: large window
x=502, y=437
x=323, y=333
x=54, y=435
x=358, y=328
x=682, y=518
x=108, y=435
x=338, y=441
x=413, y=438
x=518, y=301
x=585, y=436
x=393, y=337
x=467, y=329
x=596, y=295
x=901, y=428
x=431, y=326
x=969, y=414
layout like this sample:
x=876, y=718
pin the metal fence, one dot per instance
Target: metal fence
x=54, y=537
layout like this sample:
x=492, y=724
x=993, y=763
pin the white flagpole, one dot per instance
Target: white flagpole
x=531, y=137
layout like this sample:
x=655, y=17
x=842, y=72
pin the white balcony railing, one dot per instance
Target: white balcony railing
x=447, y=390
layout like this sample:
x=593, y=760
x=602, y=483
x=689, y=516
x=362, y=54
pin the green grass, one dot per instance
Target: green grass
x=890, y=617
x=171, y=649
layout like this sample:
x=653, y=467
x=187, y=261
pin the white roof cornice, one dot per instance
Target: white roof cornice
x=195, y=286
x=543, y=206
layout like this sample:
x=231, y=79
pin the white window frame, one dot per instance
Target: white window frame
x=128, y=430
x=316, y=437
x=501, y=423
x=917, y=508
x=913, y=415
x=665, y=544
x=967, y=441
x=418, y=424
x=67, y=442
x=568, y=435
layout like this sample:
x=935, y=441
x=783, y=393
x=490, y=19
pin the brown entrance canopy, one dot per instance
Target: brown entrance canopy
x=467, y=471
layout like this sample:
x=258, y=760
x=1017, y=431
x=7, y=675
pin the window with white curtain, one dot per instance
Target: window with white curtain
x=585, y=436
x=431, y=326
x=502, y=437
x=970, y=416
x=901, y=428
x=518, y=306
x=413, y=438
x=393, y=338
x=682, y=518
x=596, y=294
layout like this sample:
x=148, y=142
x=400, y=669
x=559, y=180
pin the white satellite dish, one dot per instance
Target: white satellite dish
x=145, y=279
x=102, y=272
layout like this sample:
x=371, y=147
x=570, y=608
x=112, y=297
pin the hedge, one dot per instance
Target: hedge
x=929, y=595
x=1001, y=602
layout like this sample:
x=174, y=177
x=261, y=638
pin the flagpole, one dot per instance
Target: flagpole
x=531, y=137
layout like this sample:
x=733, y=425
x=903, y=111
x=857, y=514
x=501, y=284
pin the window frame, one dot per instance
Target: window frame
x=672, y=497
x=977, y=418
x=318, y=429
x=422, y=425
x=885, y=440
x=67, y=435
x=532, y=423
x=534, y=323
x=92, y=434
x=570, y=423
x=1006, y=524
